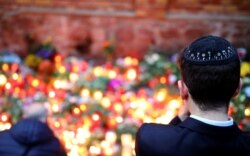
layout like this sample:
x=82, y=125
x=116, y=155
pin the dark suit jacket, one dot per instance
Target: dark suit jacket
x=191, y=138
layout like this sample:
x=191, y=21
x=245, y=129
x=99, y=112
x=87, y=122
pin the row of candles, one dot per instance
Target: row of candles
x=87, y=135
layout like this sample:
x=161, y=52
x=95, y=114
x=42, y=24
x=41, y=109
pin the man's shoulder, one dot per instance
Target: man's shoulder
x=31, y=131
x=5, y=135
x=156, y=138
x=158, y=131
x=245, y=135
x=8, y=145
x=158, y=127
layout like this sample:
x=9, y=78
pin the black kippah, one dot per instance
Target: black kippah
x=210, y=50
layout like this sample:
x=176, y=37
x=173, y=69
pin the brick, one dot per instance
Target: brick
x=215, y=2
x=151, y=8
x=23, y=1
x=185, y=2
x=125, y=34
x=151, y=13
x=230, y=9
x=204, y=2
x=195, y=33
x=170, y=33
x=244, y=9
x=43, y=2
x=226, y=2
x=6, y=2
x=134, y=34
x=213, y=8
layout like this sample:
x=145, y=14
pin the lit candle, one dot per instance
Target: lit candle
x=111, y=137
x=95, y=150
x=161, y=95
x=126, y=140
x=98, y=95
x=106, y=102
x=85, y=93
x=98, y=71
x=3, y=80
x=73, y=77
x=58, y=58
x=174, y=104
x=112, y=74
x=131, y=74
x=35, y=83
x=247, y=112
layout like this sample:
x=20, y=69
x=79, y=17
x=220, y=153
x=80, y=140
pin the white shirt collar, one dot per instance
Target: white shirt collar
x=230, y=122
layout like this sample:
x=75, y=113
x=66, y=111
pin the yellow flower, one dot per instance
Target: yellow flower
x=32, y=61
x=245, y=68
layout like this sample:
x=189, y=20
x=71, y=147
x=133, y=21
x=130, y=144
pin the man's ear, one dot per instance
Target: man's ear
x=183, y=90
x=238, y=88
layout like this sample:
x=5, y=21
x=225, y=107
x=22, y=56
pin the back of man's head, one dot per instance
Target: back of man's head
x=210, y=68
x=35, y=110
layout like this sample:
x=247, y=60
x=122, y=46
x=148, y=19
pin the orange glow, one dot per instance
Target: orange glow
x=123, y=98
x=57, y=84
x=135, y=61
x=95, y=117
x=83, y=107
x=55, y=108
x=4, y=118
x=119, y=119
x=15, y=76
x=58, y=58
x=4, y=126
x=52, y=94
x=174, y=104
x=161, y=95
x=8, y=86
x=131, y=74
x=20, y=79
x=17, y=90
x=118, y=107
x=106, y=44
x=3, y=80
x=112, y=74
x=163, y=80
x=109, y=151
x=247, y=111
x=75, y=68
x=98, y=71
x=76, y=111
x=94, y=150
x=128, y=61
x=62, y=69
x=57, y=124
x=73, y=77
x=85, y=93
x=98, y=95
x=112, y=122
x=106, y=102
x=5, y=67
x=35, y=83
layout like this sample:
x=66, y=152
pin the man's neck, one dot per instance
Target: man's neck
x=219, y=114
x=212, y=115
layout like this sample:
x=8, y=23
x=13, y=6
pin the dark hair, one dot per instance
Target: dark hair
x=210, y=85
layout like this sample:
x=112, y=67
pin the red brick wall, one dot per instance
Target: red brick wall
x=85, y=4
x=222, y=6
x=135, y=24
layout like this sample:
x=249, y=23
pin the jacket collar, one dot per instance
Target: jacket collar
x=198, y=126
